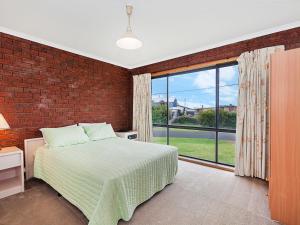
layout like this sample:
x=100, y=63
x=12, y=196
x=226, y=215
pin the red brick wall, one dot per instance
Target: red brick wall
x=289, y=38
x=41, y=86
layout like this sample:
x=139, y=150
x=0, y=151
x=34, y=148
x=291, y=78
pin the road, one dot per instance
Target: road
x=162, y=132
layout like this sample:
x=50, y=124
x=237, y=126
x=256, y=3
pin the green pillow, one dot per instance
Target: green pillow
x=99, y=132
x=64, y=136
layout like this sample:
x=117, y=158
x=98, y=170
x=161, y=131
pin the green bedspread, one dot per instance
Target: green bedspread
x=107, y=179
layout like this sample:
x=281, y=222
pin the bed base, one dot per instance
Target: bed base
x=31, y=145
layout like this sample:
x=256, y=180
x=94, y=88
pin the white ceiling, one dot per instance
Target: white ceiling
x=168, y=28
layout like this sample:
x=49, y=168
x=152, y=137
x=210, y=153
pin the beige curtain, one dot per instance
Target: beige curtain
x=251, y=157
x=142, y=111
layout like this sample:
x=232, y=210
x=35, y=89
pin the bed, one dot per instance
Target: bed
x=105, y=179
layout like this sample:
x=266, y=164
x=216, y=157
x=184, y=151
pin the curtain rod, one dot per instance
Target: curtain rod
x=194, y=67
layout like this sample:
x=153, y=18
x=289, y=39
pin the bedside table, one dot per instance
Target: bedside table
x=131, y=135
x=11, y=171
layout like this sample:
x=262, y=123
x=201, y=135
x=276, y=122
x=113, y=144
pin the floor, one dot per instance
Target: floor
x=199, y=196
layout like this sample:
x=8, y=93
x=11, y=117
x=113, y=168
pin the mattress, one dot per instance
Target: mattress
x=107, y=179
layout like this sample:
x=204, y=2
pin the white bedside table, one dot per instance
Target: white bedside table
x=131, y=135
x=11, y=171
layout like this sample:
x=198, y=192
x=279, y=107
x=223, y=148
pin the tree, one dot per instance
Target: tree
x=227, y=119
x=160, y=114
x=207, y=118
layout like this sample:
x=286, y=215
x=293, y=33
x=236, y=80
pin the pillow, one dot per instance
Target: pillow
x=74, y=125
x=98, y=132
x=64, y=136
x=89, y=124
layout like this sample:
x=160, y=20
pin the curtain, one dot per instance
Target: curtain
x=142, y=110
x=251, y=156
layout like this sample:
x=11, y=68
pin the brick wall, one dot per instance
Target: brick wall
x=41, y=86
x=289, y=38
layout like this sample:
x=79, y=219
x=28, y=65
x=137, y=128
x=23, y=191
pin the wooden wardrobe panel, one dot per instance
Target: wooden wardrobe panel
x=285, y=137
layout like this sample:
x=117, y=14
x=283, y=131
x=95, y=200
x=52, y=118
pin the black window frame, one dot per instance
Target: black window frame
x=215, y=129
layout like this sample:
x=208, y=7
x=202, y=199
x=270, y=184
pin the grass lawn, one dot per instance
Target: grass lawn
x=201, y=148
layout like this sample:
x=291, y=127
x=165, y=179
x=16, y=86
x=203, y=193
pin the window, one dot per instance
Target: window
x=196, y=111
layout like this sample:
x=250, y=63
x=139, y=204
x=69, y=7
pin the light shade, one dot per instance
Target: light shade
x=3, y=123
x=129, y=41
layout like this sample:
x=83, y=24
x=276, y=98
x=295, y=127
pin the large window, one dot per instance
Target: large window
x=196, y=111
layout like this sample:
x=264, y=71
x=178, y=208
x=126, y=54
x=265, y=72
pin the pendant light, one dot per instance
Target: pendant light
x=129, y=40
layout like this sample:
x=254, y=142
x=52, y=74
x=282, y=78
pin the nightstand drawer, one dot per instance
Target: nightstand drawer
x=9, y=161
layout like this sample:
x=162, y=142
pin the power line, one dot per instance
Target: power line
x=196, y=89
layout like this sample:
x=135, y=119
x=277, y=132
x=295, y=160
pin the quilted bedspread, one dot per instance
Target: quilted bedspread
x=107, y=179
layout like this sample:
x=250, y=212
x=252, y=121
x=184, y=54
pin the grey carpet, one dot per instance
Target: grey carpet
x=199, y=196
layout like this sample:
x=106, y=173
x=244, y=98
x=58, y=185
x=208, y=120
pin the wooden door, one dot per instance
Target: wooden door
x=285, y=137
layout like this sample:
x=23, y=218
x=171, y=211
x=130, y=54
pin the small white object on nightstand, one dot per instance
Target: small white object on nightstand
x=11, y=171
x=131, y=135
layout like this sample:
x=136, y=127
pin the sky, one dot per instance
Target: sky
x=197, y=89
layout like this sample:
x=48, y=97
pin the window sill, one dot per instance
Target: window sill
x=208, y=164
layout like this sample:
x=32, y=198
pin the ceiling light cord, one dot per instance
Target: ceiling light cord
x=129, y=9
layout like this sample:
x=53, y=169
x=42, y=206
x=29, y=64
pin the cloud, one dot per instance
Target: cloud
x=228, y=95
x=228, y=91
x=228, y=75
x=205, y=80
